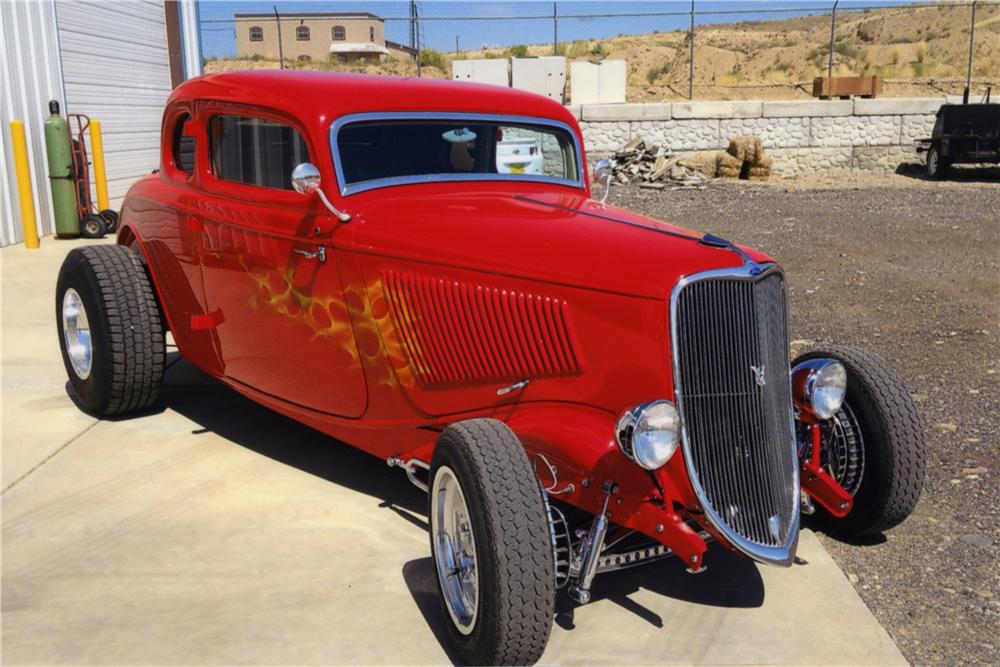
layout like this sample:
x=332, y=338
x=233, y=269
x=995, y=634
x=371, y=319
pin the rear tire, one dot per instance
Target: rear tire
x=110, y=330
x=891, y=436
x=110, y=220
x=513, y=565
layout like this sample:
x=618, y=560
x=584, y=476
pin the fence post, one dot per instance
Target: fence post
x=555, y=29
x=281, y=51
x=833, y=31
x=691, y=57
x=972, y=37
x=416, y=31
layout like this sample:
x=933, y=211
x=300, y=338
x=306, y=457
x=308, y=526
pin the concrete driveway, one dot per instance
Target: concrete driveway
x=213, y=531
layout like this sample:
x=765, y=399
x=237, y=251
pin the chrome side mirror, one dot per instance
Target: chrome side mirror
x=603, y=174
x=306, y=180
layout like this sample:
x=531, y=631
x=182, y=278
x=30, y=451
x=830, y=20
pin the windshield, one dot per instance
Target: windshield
x=382, y=152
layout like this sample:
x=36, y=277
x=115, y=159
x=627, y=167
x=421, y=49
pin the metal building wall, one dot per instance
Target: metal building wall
x=30, y=76
x=116, y=68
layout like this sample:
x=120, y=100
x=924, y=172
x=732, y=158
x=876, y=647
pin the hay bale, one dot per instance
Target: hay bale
x=746, y=148
x=727, y=166
x=759, y=171
x=703, y=162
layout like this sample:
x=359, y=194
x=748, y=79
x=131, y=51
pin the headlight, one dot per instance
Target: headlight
x=648, y=433
x=820, y=385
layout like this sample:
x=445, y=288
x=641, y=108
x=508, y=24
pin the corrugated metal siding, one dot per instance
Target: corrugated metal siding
x=116, y=69
x=29, y=77
x=105, y=59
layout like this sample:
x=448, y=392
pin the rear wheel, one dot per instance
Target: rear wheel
x=110, y=219
x=873, y=446
x=110, y=331
x=491, y=545
x=937, y=166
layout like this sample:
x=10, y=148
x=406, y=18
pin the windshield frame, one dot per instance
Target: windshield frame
x=374, y=184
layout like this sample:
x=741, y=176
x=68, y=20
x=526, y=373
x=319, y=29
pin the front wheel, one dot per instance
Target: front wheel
x=93, y=226
x=873, y=446
x=491, y=545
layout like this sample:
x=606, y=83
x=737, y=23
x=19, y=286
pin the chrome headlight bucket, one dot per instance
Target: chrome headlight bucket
x=820, y=385
x=649, y=433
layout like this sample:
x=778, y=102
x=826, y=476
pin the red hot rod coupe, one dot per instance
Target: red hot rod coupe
x=417, y=268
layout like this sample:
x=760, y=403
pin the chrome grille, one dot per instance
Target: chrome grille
x=732, y=387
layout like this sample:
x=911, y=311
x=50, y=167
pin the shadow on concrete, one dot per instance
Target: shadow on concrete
x=421, y=581
x=221, y=410
x=956, y=174
x=730, y=581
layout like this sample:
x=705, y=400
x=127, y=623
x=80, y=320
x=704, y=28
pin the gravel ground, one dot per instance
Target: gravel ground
x=909, y=269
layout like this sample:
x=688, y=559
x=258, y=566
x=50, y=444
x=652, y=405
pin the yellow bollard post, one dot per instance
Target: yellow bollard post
x=24, y=184
x=100, y=176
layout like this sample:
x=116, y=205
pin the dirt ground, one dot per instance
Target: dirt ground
x=909, y=269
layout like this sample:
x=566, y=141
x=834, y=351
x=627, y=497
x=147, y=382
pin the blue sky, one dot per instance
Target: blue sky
x=489, y=30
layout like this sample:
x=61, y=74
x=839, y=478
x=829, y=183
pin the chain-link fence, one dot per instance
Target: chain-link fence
x=673, y=50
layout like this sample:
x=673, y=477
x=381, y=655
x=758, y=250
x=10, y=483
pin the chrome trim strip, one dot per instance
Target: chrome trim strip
x=785, y=554
x=355, y=188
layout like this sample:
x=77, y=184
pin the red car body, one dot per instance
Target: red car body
x=431, y=299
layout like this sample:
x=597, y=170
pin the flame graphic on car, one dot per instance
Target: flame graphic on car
x=359, y=322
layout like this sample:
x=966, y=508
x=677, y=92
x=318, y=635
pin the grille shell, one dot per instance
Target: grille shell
x=738, y=436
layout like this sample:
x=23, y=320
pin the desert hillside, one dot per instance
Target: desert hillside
x=917, y=50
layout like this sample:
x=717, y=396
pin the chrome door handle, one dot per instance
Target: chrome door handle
x=319, y=253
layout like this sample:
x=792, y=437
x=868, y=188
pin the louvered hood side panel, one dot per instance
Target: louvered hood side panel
x=459, y=333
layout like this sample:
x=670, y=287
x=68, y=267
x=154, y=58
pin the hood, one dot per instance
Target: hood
x=558, y=237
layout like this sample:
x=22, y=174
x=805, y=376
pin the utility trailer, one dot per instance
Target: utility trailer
x=963, y=133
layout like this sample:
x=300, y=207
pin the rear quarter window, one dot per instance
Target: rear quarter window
x=255, y=151
x=183, y=146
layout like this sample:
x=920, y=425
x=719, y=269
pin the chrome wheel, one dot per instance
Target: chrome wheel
x=76, y=332
x=454, y=550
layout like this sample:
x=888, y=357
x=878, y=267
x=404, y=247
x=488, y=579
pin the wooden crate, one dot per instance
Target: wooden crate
x=845, y=87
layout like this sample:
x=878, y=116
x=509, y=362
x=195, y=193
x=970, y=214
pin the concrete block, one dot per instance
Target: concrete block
x=598, y=83
x=576, y=110
x=807, y=108
x=774, y=132
x=615, y=112
x=805, y=161
x=493, y=71
x=680, y=135
x=730, y=109
x=883, y=158
x=545, y=75
x=888, y=107
x=855, y=131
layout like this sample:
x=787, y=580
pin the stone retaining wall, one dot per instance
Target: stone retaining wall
x=803, y=137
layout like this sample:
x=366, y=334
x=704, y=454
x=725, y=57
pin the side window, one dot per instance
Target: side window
x=183, y=146
x=255, y=151
x=371, y=33
x=256, y=34
x=339, y=33
x=302, y=33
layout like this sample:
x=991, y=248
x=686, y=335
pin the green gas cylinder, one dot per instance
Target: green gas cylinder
x=60, y=155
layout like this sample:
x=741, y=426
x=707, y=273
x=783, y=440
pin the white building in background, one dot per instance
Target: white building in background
x=113, y=61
